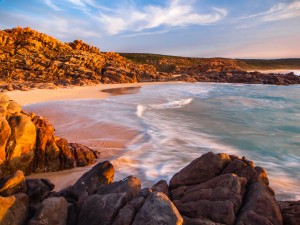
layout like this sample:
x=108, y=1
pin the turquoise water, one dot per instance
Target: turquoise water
x=176, y=123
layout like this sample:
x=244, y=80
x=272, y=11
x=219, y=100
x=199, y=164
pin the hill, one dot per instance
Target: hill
x=30, y=59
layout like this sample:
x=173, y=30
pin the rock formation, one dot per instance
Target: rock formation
x=214, y=189
x=30, y=59
x=28, y=143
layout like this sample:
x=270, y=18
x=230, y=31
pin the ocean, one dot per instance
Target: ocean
x=176, y=123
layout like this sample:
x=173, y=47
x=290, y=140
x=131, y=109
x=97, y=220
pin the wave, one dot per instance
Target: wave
x=168, y=105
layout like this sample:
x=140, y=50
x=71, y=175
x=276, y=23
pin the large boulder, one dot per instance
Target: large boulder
x=68, y=160
x=21, y=144
x=38, y=189
x=12, y=184
x=4, y=136
x=200, y=170
x=290, y=211
x=84, y=155
x=13, y=209
x=217, y=200
x=158, y=210
x=53, y=211
x=100, y=174
x=260, y=207
x=130, y=185
x=101, y=209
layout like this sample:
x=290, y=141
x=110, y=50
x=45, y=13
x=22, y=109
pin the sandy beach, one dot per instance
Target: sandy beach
x=110, y=139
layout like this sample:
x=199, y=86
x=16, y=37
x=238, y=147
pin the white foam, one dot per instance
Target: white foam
x=172, y=104
x=140, y=110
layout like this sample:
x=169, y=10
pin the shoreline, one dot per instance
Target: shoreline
x=73, y=93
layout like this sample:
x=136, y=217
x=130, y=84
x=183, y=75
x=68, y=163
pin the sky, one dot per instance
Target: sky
x=195, y=28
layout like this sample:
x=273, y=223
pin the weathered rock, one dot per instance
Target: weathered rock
x=53, y=211
x=100, y=174
x=45, y=132
x=126, y=215
x=290, y=211
x=13, y=184
x=200, y=170
x=217, y=200
x=158, y=210
x=260, y=207
x=13, y=209
x=130, y=185
x=4, y=136
x=198, y=221
x=84, y=155
x=38, y=189
x=101, y=209
x=21, y=144
x=161, y=186
x=67, y=158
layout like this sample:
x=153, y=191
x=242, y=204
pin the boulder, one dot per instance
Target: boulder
x=21, y=144
x=84, y=155
x=4, y=136
x=100, y=174
x=12, y=184
x=38, y=189
x=53, y=211
x=13, y=209
x=200, y=170
x=67, y=157
x=126, y=215
x=217, y=200
x=259, y=207
x=101, y=209
x=158, y=210
x=161, y=186
x=130, y=185
x=290, y=211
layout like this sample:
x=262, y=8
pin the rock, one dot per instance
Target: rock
x=260, y=207
x=45, y=132
x=158, y=210
x=161, y=186
x=68, y=159
x=84, y=155
x=290, y=211
x=198, y=221
x=13, y=184
x=217, y=200
x=13, y=209
x=200, y=170
x=130, y=185
x=101, y=209
x=21, y=144
x=53, y=211
x=38, y=189
x=100, y=174
x=4, y=136
x=126, y=215
x=72, y=214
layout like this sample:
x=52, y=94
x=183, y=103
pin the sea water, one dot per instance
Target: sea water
x=176, y=123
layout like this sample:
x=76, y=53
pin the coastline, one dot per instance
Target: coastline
x=72, y=93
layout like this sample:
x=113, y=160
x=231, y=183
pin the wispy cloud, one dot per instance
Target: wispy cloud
x=51, y=4
x=279, y=11
x=176, y=13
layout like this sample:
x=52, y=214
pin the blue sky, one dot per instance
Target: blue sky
x=200, y=28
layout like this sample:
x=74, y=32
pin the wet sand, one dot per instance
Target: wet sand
x=110, y=139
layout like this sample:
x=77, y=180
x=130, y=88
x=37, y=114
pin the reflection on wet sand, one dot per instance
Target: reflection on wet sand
x=122, y=90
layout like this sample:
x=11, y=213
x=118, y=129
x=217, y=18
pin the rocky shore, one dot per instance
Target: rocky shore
x=213, y=189
x=28, y=143
x=30, y=60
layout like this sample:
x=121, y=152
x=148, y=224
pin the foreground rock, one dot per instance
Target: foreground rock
x=28, y=143
x=214, y=189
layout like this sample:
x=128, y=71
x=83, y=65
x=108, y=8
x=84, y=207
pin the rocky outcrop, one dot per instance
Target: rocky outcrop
x=12, y=184
x=215, y=189
x=28, y=143
x=30, y=59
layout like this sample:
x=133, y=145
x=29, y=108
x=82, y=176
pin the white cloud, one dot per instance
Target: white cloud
x=51, y=4
x=175, y=14
x=279, y=11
